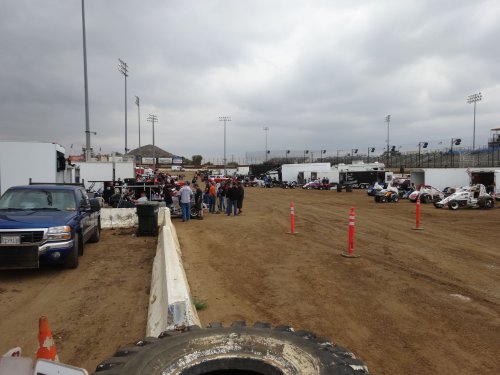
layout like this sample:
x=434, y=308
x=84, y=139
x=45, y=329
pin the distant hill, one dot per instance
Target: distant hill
x=147, y=151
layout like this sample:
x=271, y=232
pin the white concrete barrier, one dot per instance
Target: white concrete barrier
x=112, y=218
x=170, y=303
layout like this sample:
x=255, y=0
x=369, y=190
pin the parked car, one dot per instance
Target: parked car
x=47, y=223
x=427, y=193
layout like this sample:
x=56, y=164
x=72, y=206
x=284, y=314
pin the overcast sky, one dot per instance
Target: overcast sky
x=319, y=74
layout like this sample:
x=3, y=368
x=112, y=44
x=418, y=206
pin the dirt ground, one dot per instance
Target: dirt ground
x=92, y=310
x=415, y=302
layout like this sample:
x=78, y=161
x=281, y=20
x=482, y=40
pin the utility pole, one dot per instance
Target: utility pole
x=474, y=98
x=152, y=119
x=388, y=120
x=88, y=149
x=225, y=119
x=123, y=69
x=137, y=102
x=266, y=129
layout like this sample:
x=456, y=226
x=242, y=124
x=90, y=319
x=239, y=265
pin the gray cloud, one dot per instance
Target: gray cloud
x=320, y=74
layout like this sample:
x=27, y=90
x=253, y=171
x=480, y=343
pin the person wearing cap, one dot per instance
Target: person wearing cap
x=185, y=194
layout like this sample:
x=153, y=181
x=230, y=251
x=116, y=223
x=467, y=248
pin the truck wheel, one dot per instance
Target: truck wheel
x=97, y=233
x=72, y=258
x=382, y=199
x=233, y=350
x=453, y=205
x=437, y=205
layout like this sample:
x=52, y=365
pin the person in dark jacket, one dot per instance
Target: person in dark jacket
x=232, y=199
x=167, y=197
x=198, y=201
x=241, y=195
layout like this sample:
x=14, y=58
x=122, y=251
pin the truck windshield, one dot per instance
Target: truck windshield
x=43, y=199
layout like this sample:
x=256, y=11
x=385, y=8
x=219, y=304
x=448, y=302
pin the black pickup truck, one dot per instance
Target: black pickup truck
x=46, y=223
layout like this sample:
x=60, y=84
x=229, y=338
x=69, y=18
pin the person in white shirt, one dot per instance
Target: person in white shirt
x=143, y=198
x=185, y=194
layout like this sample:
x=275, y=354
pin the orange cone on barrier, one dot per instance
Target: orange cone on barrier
x=46, y=346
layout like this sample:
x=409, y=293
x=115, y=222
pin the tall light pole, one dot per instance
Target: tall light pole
x=474, y=98
x=137, y=102
x=88, y=149
x=421, y=145
x=286, y=156
x=388, y=120
x=338, y=156
x=456, y=142
x=123, y=69
x=225, y=119
x=305, y=153
x=322, y=152
x=370, y=149
x=266, y=129
x=152, y=119
x=353, y=152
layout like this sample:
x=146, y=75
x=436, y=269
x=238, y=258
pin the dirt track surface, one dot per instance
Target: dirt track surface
x=416, y=302
x=92, y=310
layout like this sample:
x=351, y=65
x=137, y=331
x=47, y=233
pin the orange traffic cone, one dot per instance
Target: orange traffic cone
x=46, y=346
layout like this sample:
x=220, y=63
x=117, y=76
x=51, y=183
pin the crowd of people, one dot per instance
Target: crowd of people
x=224, y=197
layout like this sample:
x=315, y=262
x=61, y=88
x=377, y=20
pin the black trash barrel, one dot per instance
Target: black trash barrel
x=339, y=188
x=147, y=213
x=348, y=188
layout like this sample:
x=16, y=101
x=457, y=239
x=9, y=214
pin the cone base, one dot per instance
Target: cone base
x=419, y=228
x=347, y=255
x=292, y=233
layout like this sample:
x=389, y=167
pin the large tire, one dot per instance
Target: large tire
x=453, y=205
x=96, y=236
x=382, y=199
x=72, y=258
x=233, y=350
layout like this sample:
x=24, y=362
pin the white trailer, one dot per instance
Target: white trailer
x=42, y=162
x=440, y=177
x=302, y=172
x=103, y=171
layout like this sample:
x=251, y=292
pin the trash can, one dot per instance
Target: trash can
x=339, y=188
x=147, y=213
x=348, y=188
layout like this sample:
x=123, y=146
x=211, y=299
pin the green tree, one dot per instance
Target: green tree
x=197, y=159
x=232, y=164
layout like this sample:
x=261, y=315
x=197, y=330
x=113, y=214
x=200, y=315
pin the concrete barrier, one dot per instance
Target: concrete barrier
x=170, y=303
x=112, y=218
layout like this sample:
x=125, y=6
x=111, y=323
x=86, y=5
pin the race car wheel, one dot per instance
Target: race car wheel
x=453, y=205
x=233, y=350
x=395, y=198
x=489, y=203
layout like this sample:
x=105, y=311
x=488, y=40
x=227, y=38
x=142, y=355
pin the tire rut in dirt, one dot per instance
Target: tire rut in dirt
x=237, y=349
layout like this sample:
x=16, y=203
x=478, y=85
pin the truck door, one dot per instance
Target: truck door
x=86, y=222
